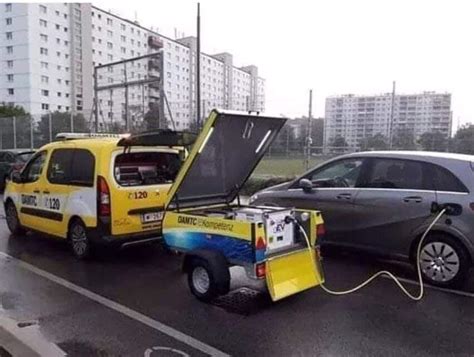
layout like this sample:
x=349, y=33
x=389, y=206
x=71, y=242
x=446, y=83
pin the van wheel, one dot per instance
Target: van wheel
x=13, y=222
x=444, y=261
x=208, y=278
x=78, y=239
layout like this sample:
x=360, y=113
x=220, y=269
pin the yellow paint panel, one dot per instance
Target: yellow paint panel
x=289, y=274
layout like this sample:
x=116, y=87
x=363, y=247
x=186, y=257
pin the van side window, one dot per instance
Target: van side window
x=59, y=168
x=34, y=169
x=82, y=173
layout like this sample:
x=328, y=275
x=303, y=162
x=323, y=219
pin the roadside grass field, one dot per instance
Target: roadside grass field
x=284, y=167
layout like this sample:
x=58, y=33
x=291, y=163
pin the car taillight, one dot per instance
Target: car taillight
x=260, y=270
x=103, y=197
x=320, y=230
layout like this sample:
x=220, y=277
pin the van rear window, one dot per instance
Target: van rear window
x=146, y=168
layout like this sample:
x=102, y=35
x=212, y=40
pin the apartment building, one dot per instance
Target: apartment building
x=49, y=51
x=356, y=117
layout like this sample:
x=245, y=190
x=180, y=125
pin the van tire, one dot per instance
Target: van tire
x=208, y=277
x=79, y=239
x=13, y=222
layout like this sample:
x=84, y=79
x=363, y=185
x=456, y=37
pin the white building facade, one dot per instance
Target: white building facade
x=357, y=117
x=48, y=53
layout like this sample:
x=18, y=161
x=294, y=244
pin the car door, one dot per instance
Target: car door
x=393, y=201
x=333, y=193
x=32, y=182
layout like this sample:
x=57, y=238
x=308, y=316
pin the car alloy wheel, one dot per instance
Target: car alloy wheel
x=439, y=262
x=79, y=241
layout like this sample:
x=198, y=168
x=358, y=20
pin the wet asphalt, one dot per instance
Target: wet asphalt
x=378, y=320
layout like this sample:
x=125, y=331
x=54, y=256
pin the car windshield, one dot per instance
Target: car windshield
x=146, y=168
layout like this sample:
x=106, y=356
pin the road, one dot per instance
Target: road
x=136, y=303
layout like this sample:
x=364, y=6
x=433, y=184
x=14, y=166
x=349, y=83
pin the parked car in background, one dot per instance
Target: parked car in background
x=381, y=202
x=12, y=160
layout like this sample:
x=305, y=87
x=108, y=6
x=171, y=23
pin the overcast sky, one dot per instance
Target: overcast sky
x=331, y=46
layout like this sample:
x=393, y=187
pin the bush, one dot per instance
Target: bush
x=255, y=184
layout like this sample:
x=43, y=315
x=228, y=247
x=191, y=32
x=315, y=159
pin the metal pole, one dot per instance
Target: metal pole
x=32, y=144
x=390, y=127
x=198, y=67
x=50, y=127
x=127, y=124
x=72, y=123
x=96, y=101
x=14, y=132
x=308, y=137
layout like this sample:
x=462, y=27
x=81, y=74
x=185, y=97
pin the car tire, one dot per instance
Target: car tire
x=13, y=222
x=78, y=240
x=444, y=261
x=208, y=278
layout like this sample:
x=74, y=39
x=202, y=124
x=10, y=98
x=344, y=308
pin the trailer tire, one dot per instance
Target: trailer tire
x=208, y=275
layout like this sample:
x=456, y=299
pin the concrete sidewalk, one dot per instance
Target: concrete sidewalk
x=11, y=346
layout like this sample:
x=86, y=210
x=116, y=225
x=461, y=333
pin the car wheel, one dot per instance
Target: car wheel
x=207, y=279
x=444, y=261
x=78, y=239
x=13, y=222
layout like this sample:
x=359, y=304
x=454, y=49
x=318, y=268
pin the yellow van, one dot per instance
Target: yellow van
x=96, y=188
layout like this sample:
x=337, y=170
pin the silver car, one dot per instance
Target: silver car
x=383, y=201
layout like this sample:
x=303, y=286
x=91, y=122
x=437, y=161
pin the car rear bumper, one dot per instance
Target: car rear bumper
x=125, y=240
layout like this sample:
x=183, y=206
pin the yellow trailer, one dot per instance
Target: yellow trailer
x=205, y=220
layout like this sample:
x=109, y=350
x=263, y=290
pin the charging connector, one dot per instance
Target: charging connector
x=441, y=209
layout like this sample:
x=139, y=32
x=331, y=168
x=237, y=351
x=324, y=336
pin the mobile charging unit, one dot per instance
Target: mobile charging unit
x=205, y=220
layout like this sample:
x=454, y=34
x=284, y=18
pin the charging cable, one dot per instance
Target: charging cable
x=385, y=272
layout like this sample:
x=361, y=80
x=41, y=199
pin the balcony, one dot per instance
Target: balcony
x=154, y=42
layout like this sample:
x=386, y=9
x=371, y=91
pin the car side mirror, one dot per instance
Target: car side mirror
x=306, y=185
x=16, y=177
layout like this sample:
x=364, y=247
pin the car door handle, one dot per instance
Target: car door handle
x=46, y=192
x=36, y=191
x=416, y=199
x=344, y=196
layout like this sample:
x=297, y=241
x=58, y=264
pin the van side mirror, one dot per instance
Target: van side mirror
x=306, y=185
x=16, y=177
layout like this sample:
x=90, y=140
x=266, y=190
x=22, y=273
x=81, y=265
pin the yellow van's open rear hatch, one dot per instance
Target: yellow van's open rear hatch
x=291, y=273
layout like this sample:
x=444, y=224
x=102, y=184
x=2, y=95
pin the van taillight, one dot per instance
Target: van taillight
x=103, y=197
x=320, y=230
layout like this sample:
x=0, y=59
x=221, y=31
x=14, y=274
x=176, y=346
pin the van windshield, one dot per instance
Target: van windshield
x=146, y=168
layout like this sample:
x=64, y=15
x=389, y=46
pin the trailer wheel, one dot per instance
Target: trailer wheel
x=208, y=277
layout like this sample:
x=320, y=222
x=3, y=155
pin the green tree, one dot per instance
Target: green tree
x=375, y=142
x=60, y=122
x=404, y=139
x=433, y=141
x=22, y=127
x=463, y=141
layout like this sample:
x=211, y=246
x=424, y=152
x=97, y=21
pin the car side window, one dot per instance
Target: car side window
x=444, y=180
x=59, y=168
x=343, y=173
x=82, y=173
x=34, y=169
x=394, y=174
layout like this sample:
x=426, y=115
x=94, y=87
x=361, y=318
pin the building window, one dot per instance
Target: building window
x=8, y=20
x=10, y=49
x=59, y=94
x=110, y=45
x=65, y=29
x=110, y=33
x=43, y=9
x=44, y=106
x=43, y=23
x=58, y=53
x=123, y=38
x=9, y=35
x=109, y=21
x=44, y=79
x=44, y=65
x=44, y=38
x=58, y=27
x=10, y=77
x=11, y=91
x=123, y=27
x=45, y=92
x=59, y=80
x=8, y=7
x=10, y=64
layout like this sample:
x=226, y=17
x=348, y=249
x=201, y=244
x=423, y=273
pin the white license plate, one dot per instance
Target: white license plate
x=152, y=217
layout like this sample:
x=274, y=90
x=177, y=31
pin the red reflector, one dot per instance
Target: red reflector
x=320, y=230
x=260, y=243
x=260, y=270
